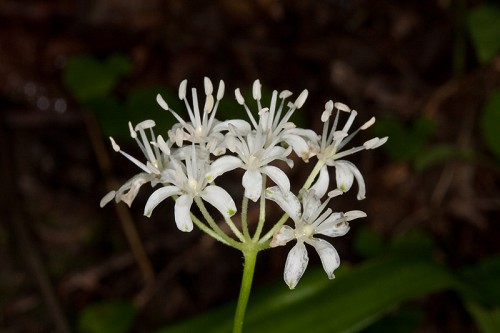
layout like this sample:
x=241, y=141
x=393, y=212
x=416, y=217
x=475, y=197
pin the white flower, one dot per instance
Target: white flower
x=157, y=155
x=275, y=126
x=309, y=221
x=334, y=140
x=188, y=181
x=203, y=128
x=254, y=157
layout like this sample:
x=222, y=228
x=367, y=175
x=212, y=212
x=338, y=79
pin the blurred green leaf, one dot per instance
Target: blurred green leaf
x=353, y=301
x=490, y=123
x=406, y=142
x=111, y=116
x=414, y=243
x=368, y=244
x=141, y=105
x=482, y=282
x=107, y=317
x=87, y=77
x=439, y=154
x=406, y=320
x=488, y=320
x=483, y=23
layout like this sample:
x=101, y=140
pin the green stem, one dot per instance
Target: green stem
x=244, y=217
x=250, y=256
x=262, y=212
x=313, y=174
x=211, y=222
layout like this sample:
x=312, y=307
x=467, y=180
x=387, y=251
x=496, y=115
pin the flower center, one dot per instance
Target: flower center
x=193, y=185
x=306, y=231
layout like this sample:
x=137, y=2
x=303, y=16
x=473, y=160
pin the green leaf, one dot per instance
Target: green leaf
x=141, y=105
x=87, y=77
x=439, y=154
x=406, y=142
x=406, y=320
x=368, y=244
x=351, y=302
x=111, y=116
x=487, y=292
x=413, y=243
x=484, y=27
x=490, y=123
x=107, y=317
x=488, y=320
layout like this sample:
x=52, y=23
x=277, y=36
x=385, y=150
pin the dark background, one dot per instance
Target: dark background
x=399, y=60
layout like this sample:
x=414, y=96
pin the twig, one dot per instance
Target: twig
x=124, y=216
x=15, y=220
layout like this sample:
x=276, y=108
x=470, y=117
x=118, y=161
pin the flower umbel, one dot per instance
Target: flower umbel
x=188, y=165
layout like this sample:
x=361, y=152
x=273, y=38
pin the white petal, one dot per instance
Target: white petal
x=158, y=196
x=241, y=127
x=359, y=178
x=344, y=176
x=107, y=198
x=278, y=177
x=252, y=182
x=296, y=264
x=220, y=199
x=329, y=256
x=334, y=226
x=354, y=214
x=282, y=236
x=287, y=201
x=183, y=213
x=128, y=191
x=299, y=145
x=321, y=185
x=222, y=165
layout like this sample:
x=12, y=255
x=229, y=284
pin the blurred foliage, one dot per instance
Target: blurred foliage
x=368, y=298
x=407, y=141
x=490, y=122
x=107, y=317
x=483, y=23
x=93, y=83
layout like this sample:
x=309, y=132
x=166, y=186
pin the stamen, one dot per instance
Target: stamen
x=220, y=91
x=182, y=90
x=342, y=107
x=116, y=148
x=161, y=102
x=209, y=88
x=256, y=90
x=368, y=124
x=301, y=99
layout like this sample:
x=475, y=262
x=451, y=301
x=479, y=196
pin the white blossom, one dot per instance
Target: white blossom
x=202, y=128
x=309, y=219
x=334, y=139
x=188, y=181
x=274, y=121
x=156, y=152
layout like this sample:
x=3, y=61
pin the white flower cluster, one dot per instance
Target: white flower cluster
x=196, y=151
